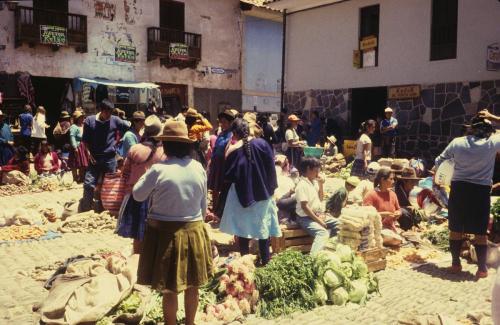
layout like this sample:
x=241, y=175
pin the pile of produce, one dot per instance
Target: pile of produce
x=333, y=164
x=21, y=233
x=495, y=211
x=342, y=277
x=286, y=285
x=11, y=189
x=439, y=237
x=360, y=228
x=406, y=256
x=88, y=222
x=344, y=173
x=47, y=184
x=232, y=293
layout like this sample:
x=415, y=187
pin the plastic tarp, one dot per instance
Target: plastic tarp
x=129, y=84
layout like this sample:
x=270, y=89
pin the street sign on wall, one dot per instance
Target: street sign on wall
x=53, y=35
x=403, y=92
x=125, y=53
x=368, y=43
x=178, y=51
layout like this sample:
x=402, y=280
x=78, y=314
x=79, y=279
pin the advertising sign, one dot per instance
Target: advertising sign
x=178, y=51
x=53, y=35
x=125, y=54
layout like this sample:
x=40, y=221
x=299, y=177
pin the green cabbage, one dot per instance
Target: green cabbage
x=331, y=279
x=320, y=294
x=358, y=292
x=359, y=268
x=338, y=296
x=372, y=283
x=344, y=252
x=346, y=269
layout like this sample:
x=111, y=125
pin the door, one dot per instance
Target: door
x=172, y=15
x=367, y=103
x=47, y=18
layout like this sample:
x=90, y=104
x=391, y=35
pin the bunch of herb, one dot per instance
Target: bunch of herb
x=286, y=285
x=439, y=238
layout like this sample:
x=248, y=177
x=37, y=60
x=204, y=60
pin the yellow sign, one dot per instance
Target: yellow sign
x=368, y=43
x=356, y=59
x=403, y=92
x=349, y=148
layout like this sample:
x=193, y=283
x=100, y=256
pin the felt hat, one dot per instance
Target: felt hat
x=388, y=110
x=408, y=173
x=77, y=114
x=64, y=115
x=332, y=139
x=293, y=118
x=353, y=181
x=397, y=167
x=250, y=117
x=152, y=126
x=280, y=159
x=174, y=131
x=138, y=115
x=373, y=168
x=227, y=114
x=191, y=112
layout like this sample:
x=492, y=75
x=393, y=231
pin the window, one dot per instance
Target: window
x=444, y=29
x=368, y=29
x=172, y=15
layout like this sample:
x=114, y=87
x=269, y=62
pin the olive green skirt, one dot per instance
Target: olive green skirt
x=175, y=256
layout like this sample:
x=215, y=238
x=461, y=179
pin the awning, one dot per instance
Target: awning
x=129, y=84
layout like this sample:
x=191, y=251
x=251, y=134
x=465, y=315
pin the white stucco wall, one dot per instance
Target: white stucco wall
x=320, y=43
x=217, y=21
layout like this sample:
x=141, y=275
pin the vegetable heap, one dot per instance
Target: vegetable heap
x=495, y=211
x=344, y=173
x=439, y=237
x=286, y=285
x=342, y=277
x=232, y=293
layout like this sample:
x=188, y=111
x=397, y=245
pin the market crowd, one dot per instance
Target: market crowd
x=176, y=173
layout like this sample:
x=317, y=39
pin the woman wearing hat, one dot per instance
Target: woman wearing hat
x=140, y=158
x=293, y=142
x=6, y=141
x=197, y=126
x=330, y=146
x=216, y=169
x=176, y=254
x=133, y=136
x=250, y=211
x=469, y=202
x=78, y=158
x=61, y=135
x=406, y=181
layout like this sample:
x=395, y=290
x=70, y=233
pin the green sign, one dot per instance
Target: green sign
x=125, y=54
x=179, y=51
x=54, y=35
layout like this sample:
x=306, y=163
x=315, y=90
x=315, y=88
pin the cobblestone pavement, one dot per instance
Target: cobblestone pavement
x=427, y=289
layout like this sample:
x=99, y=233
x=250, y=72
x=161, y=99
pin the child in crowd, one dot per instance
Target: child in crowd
x=309, y=208
x=46, y=161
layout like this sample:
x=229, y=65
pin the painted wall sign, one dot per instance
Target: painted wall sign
x=356, y=59
x=217, y=70
x=125, y=54
x=53, y=35
x=368, y=43
x=403, y=92
x=493, y=57
x=105, y=10
x=178, y=51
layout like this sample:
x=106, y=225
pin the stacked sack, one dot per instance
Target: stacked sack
x=360, y=228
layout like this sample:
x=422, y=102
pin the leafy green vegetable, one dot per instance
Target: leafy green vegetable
x=130, y=304
x=344, y=252
x=286, y=284
x=346, y=269
x=495, y=211
x=339, y=296
x=358, y=292
x=439, y=238
x=372, y=283
x=359, y=268
x=320, y=294
x=331, y=279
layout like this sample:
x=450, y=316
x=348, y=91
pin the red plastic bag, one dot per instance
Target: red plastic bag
x=112, y=192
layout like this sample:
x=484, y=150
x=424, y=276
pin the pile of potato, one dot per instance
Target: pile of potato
x=21, y=232
x=88, y=222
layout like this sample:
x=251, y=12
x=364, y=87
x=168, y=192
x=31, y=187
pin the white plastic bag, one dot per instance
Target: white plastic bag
x=444, y=173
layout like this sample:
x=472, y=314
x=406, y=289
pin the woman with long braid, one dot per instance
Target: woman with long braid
x=250, y=212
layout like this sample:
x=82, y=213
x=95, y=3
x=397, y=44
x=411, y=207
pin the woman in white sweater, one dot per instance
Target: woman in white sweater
x=39, y=127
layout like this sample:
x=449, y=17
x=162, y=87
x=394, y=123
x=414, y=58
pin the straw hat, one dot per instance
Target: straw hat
x=388, y=110
x=293, y=118
x=408, y=173
x=77, y=115
x=373, y=168
x=175, y=131
x=353, y=181
x=138, y=115
x=250, y=117
x=64, y=115
x=228, y=114
x=152, y=126
x=191, y=112
x=397, y=167
x=332, y=139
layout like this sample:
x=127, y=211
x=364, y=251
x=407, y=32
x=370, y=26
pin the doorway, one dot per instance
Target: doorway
x=174, y=97
x=367, y=103
x=172, y=15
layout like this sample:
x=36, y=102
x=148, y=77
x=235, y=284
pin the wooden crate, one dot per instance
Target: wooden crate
x=374, y=258
x=293, y=238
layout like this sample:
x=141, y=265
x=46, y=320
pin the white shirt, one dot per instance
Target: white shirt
x=363, y=139
x=39, y=127
x=291, y=134
x=285, y=184
x=358, y=194
x=307, y=191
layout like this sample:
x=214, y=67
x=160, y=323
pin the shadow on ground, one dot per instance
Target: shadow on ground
x=442, y=273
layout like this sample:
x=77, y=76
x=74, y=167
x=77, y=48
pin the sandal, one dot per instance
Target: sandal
x=481, y=274
x=454, y=269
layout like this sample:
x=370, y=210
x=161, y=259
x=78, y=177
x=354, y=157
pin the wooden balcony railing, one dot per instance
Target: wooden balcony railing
x=159, y=44
x=28, y=21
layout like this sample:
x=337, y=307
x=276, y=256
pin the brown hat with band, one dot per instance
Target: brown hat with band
x=293, y=118
x=64, y=115
x=408, y=173
x=174, y=131
x=138, y=116
x=228, y=114
x=191, y=112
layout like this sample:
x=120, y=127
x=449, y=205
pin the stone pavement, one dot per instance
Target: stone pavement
x=425, y=290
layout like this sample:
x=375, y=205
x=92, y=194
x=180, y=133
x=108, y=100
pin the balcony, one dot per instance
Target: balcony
x=161, y=42
x=60, y=28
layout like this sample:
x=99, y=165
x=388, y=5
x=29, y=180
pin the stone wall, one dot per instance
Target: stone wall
x=426, y=124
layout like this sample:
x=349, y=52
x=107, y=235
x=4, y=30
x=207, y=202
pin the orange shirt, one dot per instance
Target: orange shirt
x=383, y=202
